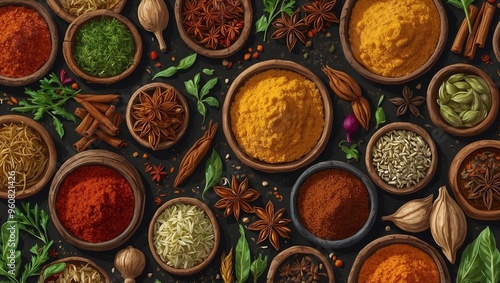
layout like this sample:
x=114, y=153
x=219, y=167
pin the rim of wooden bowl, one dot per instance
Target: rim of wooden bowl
x=69, y=45
x=432, y=94
x=381, y=242
x=496, y=41
x=240, y=81
x=401, y=126
x=130, y=120
x=49, y=142
x=361, y=233
x=54, y=40
x=111, y=160
x=454, y=176
x=346, y=47
x=219, y=53
x=57, y=7
x=197, y=268
x=77, y=260
x=285, y=254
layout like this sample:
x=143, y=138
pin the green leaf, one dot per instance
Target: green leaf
x=380, y=100
x=471, y=264
x=59, y=127
x=202, y=109
x=205, y=89
x=213, y=171
x=212, y=101
x=287, y=7
x=379, y=117
x=168, y=72
x=38, y=114
x=351, y=152
x=261, y=25
x=208, y=72
x=53, y=269
x=63, y=113
x=196, y=79
x=191, y=88
x=157, y=281
x=456, y=3
x=242, y=257
x=187, y=62
x=490, y=256
x=258, y=267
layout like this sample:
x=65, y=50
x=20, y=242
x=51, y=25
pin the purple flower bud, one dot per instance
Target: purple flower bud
x=351, y=125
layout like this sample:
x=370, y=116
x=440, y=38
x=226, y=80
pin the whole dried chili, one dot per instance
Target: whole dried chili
x=25, y=41
x=95, y=203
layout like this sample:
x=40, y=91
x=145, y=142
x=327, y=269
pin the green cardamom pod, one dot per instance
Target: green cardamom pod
x=450, y=88
x=476, y=102
x=461, y=85
x=477, y=83
x=471, y=116
x=461, y=114
x=443, y=96
x=456, y=77
x=462, y=97
x=450, y=116
x=486, y=99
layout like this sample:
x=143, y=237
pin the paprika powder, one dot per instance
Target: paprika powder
x=95, y=203
x=344, y=202
x=25, y=41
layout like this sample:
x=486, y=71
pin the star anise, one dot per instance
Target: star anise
x=408, y=102
x=271, y=225
x=291, y=27
x=236, y=198
x=157, y=172
x=286, y=270
x=301, y=266
x=485, y=185
x=320, y=12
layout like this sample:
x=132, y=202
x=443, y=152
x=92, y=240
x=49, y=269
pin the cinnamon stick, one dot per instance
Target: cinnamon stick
x=116, y=118
x=101, y=106
x=484, y=26
x=84, y=124
x=109, y=113
x=112, y=141
x=102, y=98
x=106, y=124
x=83, y=143
x=470, y=46
x=463, y=31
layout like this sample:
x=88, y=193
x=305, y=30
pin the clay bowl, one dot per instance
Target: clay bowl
x=70, y=39
x=372, y=171
x=122, y=166
x=457, y=184
x=432, y=105
x=496, y=42
x=57, y=7
x=371, y=248
x=8, y=81
x=76, y=260
x=149, y=89
x=344, y=39
x=218, y=53
x=52, y=158
x=300, y=250
x=226, y=117
x=197, y=268
x=342, y=243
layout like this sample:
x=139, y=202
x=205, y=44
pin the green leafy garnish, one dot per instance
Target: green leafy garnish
x=480, y=260
x=350, y=151
x=242, y=258
x=379, y=114
x=258, y=267
x=271, y=7
x=464, y=5
x=53, y=269
x=49, y=99
x=213, y=171
x=192, y=87
x=184, y=63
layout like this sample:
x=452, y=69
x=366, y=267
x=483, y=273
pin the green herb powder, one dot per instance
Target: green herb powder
x=104, y=47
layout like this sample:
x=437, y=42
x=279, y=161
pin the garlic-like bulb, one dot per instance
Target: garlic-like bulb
x=448, y=224
x=153, y=16
x=130, y=262
x=412, y=216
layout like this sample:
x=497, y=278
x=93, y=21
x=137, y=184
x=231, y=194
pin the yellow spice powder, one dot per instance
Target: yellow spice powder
x=393, y=38
x=277, y=116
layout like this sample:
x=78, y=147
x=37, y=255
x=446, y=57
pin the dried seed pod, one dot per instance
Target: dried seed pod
x=412, y=216
x=448, y=224
x=362, y=111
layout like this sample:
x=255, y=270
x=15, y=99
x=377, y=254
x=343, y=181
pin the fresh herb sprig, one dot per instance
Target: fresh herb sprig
x=192, y=87
x=464, y=5
x=271, y=7
x=351, y=152
x=213, y=171
x=53, y=269
x=242, y=257
x=258, y=267
x=184, y=64
x=49, y=99
x=380, y=113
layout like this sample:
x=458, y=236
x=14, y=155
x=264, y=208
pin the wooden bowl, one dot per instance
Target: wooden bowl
x=432, y=105
x=496, y=41
x=197, y=268
x=8, y=81
x=149, y=89
x=52, y=158
x=70, y=40
x=381, y=242
x=465, y=155
x=344, y=39
x=372, y=171
x=240, y=81
x=122, y=166
x=57, y=7
x=304, y=250
x=77, y=260
x=218, y=53
x=335, y=244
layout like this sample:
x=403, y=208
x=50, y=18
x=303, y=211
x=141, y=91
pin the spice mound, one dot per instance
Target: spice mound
x=73, y=273
x=95, y=203
x=277, y=116
x=393, y=38
x=399, y=263
x=183, y=236
x=344, y=203
x=24, y=47
x=401, y=158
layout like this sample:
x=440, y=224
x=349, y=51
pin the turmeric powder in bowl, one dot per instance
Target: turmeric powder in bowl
x=277, y=116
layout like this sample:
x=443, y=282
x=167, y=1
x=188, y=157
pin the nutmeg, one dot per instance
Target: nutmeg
x=130, y=262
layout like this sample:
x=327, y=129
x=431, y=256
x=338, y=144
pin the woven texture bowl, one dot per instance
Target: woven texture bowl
x=57, y=7
x=51, y=149
x=226, y=117
x=54, y=40
x=70, y=40
x=122, y=166
x=77, y=261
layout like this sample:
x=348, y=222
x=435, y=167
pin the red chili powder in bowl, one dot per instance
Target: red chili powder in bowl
x=333, y=204
x=95, y=203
